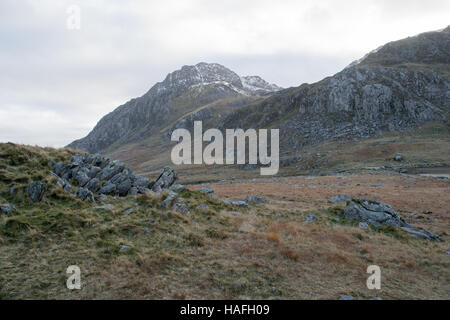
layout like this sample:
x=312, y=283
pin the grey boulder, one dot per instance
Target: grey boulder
x=6, y=208
x=36, y=191
x=379, y=214
x=165, y=180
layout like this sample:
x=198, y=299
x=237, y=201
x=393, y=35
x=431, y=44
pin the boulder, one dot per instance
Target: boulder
x=398, y=157
x=82, y=178
x=93, y=172
x=124, y=187
x=6, y=208
x=178, y=188
x=378, y=214
x=102, y=198
x=141, y=182
x=85, y=194
x=94, y=185
x=133, y=191
x=36, y=191
x=374, y=213
x=165, y=180
x=108, y=188
x=171, y=197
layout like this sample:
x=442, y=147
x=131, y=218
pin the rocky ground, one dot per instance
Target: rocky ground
x=304, y=237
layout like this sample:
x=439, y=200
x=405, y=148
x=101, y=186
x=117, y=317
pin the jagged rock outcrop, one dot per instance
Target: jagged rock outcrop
x=97, y=176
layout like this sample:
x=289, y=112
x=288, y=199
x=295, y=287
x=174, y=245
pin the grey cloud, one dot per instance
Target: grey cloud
x=55, y=83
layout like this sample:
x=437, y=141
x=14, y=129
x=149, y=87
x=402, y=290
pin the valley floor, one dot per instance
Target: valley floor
x=265, y=251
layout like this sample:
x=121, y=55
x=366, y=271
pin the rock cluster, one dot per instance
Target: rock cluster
x=379, y=214
x=97, y=175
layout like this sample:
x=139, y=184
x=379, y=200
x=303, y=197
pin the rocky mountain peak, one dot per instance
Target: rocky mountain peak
x=203, y=74
x=256, y=84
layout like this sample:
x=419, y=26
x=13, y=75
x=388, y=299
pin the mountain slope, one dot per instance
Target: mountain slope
x=401, y=85
x=182, y=92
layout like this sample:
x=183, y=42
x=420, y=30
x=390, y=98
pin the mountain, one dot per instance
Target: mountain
x=398, y=86
x=182, y=92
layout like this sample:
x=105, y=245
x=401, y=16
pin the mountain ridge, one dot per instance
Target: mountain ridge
x=399, y=86
x=197, y=85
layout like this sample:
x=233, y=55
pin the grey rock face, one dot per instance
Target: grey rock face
x=36, y=191
x=377, y=214
x=203, y=207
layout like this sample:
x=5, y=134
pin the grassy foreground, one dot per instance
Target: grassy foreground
x=266, y=251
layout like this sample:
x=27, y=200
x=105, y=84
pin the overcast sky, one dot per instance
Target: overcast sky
x=56, y=83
